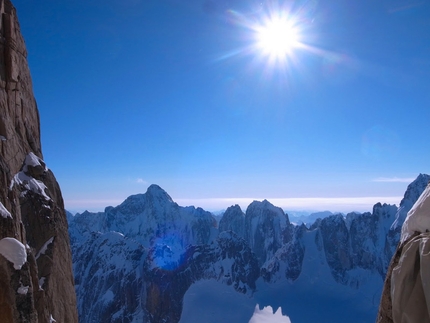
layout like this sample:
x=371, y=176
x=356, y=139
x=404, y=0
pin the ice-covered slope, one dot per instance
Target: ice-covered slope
x=169, y=257
x=109, y=278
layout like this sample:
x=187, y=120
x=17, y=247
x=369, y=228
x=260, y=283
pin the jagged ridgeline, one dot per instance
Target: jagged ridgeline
x=151, y=260
x=36, y=280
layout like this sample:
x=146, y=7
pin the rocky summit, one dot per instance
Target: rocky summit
x=36, y=280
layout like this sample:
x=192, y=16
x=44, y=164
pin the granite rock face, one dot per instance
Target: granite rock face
x=233, y=220
x=31, y=205
x=266, y=228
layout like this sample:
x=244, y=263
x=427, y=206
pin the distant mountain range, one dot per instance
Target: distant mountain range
x=151, y=260
x=307, y=217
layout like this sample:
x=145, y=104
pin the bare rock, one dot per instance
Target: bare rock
x=32, y=209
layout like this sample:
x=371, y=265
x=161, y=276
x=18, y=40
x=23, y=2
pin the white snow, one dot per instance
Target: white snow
x=14, y=251
x=30, y=184
x=32, y=160
x=418, y=218
x=51, y=319
x=44, y=247
x=4, y=212
x=266, y=315
x=2, y=138
x=41, y=282
x=23, y=290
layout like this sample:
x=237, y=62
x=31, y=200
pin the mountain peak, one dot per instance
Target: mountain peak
x=136, y=204
x=157, y=192
x=260, y=206
x=234, y=220
x=234, y=209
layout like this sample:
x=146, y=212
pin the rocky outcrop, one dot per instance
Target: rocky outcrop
x=31, y=205
x=405, y=294
x=233, y=220
x=287, y=261
x=266, y=229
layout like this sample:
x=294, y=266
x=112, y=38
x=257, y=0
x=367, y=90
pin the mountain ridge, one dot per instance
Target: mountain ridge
x=187, y=246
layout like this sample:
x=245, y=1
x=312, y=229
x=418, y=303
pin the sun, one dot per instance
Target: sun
x=277, y=37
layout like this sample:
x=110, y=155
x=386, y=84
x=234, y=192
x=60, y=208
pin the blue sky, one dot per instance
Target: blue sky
x=177, y=93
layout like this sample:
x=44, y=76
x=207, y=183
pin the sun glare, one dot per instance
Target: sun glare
x=277, y=37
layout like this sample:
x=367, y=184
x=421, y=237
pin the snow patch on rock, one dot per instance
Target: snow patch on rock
x=23, y=290
x=14, y=251
x=4, y=212
x=32, y=160
x=44, y=247
x=41, y=282
x=27, y=181
x=30, y=184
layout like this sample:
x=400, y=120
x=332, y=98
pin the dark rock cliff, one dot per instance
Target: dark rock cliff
x=32, y=213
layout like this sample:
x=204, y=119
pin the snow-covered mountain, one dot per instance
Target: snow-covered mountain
x=150, y=260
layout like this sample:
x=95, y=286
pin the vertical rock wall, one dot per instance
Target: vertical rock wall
x=31, y=205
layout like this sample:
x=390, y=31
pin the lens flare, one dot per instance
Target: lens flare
x=168, y=251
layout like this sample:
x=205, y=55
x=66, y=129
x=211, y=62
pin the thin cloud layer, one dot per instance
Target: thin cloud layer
x=394, y=179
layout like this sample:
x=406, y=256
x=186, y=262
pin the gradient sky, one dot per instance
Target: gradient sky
x=175, y=92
